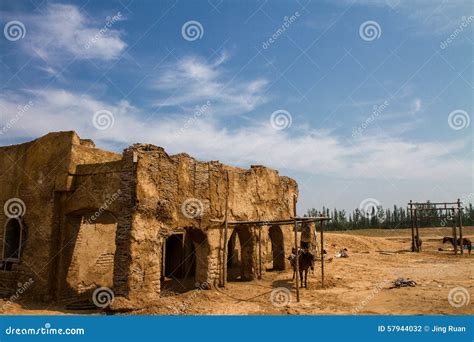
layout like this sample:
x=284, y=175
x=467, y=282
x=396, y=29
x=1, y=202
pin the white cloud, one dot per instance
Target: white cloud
x=416, y=107
x=434, y=16
x=313, y=151
x=63, y=31
x=192, y=80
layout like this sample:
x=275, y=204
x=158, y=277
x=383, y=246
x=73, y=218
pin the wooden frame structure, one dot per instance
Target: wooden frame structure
x=293, y=221
x=440, y=210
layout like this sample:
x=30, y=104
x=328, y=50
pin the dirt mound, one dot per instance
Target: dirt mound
x=334, y=242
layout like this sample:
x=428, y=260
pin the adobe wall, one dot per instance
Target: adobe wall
x=38, y=173
x=88, y=219
x=164, y=183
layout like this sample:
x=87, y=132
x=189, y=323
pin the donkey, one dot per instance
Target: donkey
x=465, y=242
x=305, y=262
x=418, y=242
x=292, y=259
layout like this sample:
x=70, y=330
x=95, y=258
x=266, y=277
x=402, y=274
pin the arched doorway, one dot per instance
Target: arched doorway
x=12, y=236
x=240, y=255
x=278, y=248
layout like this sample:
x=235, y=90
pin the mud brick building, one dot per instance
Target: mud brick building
x=76, y=218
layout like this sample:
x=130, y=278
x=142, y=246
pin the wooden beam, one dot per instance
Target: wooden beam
x=297, y=262
x=455, y=234
x=460, y=225
x=226, y=226
x=272, y=222
x=438, y=203
x=417, y=232
x=412, y=227
x=259, y=254
x=322, y=254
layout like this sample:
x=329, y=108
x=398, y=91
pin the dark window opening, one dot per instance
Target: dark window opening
x=12, y=241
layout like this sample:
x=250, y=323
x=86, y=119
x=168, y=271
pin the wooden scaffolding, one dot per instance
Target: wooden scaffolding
x=449, y=211
x=292, y=221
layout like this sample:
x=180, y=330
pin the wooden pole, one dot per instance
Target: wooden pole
x=454, y=232
x=297, y=263
x=226, y=226
x=412, y=227
x=259, y=252
x=322, y=254
x=417, y=235
x=460, y=225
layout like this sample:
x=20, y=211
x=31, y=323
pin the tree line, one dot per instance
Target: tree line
x=390, y=218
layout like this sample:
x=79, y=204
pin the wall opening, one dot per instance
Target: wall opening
x=186, y=261
x=174, y=256
x=278, y=248
x=12, y=240
x=240, y=255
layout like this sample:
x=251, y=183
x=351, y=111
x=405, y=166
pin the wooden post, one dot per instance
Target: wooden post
x=417, y=235
x=297, y=263
x=412, y=227
x=260, y=252
x=322, y=253
x=226, y=226
x=410, y=206
x=460, y=225
x=455, y=238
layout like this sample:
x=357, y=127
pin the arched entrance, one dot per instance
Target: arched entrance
x=12, y=239
x=278, y=248
x=240, y=255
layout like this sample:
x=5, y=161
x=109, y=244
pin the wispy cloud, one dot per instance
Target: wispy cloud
x=63, y=32
x=431, y=16
x=314, y=151
x=192, y=80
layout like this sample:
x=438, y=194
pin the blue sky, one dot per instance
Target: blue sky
x=353, y=99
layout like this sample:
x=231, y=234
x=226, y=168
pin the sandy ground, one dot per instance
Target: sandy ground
x=359, y=284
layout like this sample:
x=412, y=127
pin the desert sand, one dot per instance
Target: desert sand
x=359, y=284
